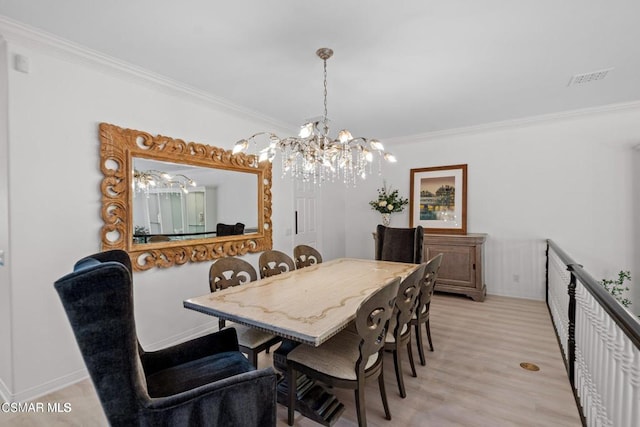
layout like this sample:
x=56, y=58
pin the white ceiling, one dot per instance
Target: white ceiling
x=400, y=67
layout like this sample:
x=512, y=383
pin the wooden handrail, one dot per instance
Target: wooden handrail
x=625, y=320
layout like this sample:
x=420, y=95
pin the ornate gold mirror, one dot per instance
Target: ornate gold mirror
x=168, y=202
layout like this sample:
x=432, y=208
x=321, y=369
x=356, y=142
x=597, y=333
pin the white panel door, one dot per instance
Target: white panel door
x=306, y=219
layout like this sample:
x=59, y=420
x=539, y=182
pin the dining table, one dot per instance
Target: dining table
x=306, y=306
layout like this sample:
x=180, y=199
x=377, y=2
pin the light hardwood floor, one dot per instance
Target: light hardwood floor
x=473, y=378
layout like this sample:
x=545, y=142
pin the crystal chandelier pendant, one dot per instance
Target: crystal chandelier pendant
x=313, y=156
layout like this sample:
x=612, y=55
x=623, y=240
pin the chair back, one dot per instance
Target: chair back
x=98, y=300
x=428, y=284
x=230, y=271
x=305, y=256
x=227, y=272
x=274, y=262
x=399, y=244
x=372, y=321
x=406, y=302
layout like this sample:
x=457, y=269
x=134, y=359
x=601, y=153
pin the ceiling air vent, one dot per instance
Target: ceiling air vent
x=588, y=77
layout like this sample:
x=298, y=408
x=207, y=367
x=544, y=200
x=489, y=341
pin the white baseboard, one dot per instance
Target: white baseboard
x=4, y=392
x=74, y=377
x=48, y=387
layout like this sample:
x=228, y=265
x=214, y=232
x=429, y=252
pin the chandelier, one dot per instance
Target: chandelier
x=313, y=155
x=143, y=181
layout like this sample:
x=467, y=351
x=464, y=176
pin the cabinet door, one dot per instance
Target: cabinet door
x=458, y=264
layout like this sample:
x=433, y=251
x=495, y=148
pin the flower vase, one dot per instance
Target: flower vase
x=386, y=219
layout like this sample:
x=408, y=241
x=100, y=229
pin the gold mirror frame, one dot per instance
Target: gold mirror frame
x=119, y=146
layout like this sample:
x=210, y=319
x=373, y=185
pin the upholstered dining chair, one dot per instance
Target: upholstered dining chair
x=399, y=244
x=421, y=315
x=305, y=256
x=206, y=381
x=399, y=332
x=349, y=358
x=274, y=262
x=230, y=271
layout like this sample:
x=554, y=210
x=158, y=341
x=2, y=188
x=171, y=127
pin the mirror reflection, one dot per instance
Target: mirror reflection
x=200, y=201
x=174, y=202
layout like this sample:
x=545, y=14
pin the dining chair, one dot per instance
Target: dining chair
x=421, y=315
x=305, y=256
x=399, y=332
x=399, y=244
x=229, y=229
x=230, y=271
x=197, y=382
x=274, y=262
x=348, y=359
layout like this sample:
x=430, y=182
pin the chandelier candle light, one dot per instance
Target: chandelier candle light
x=315, y=157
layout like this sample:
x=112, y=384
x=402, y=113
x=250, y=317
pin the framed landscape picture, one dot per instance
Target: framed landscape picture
x=438, y=199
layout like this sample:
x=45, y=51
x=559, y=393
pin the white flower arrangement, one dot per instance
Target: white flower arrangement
x=388, y=201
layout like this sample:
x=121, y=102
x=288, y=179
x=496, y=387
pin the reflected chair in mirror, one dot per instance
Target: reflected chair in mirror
x=399, y=244
x=306, y=256
x=229, y=229
x=349, y=358
x=231, y=271
x=399, y=332
x=206, y=381
x=421, y=315
x=274, y=262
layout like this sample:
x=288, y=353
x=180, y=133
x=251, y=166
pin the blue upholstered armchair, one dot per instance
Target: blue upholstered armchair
x=202, y=382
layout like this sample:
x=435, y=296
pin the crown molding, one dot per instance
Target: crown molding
x=515, y=123
x=25, y=36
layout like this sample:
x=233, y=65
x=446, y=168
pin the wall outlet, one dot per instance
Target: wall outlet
x=516, y=278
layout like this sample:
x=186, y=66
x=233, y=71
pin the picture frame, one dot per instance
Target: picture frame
x=438, y=199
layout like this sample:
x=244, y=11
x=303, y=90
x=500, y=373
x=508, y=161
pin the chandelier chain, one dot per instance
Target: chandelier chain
x=325, y=119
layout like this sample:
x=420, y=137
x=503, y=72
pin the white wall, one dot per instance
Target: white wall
x=569, y=179
x=635, y=185
x=54, y=201
x=6, y=377
x=240, y=192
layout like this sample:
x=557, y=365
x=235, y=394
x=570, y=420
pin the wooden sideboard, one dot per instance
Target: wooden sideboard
x=462, y=269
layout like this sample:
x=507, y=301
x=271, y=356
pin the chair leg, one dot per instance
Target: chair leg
x=383, y=395
x=360, y=406
x=429, y=334
x=253, y=356
x=397, y=361
x=291, y=383
x=419, y=344
x=411, y=362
